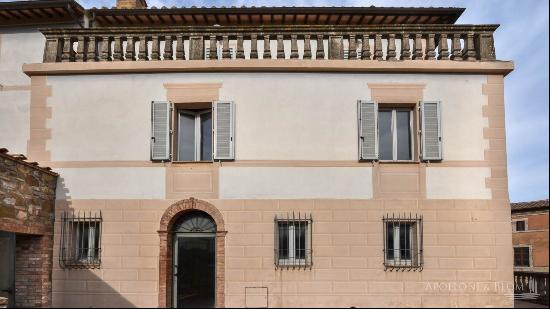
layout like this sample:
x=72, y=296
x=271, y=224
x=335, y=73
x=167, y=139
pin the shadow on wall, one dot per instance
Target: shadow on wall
x=83, y=288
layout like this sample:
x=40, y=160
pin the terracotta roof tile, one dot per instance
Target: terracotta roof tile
x=521, y=206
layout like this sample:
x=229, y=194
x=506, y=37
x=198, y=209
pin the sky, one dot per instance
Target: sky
x=522, y=37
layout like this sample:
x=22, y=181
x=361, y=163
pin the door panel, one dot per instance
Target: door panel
x=195, y=271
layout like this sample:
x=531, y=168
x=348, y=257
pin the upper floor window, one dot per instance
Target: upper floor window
x=520, y=225
x=395, y=134
x=522, y=256
x=194, y=135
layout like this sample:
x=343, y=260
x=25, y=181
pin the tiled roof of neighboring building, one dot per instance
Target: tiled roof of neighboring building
x=190, y=16
x=21, y=159
x=533, y=205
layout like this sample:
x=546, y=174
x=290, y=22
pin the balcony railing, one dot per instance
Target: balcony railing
x=383, y=43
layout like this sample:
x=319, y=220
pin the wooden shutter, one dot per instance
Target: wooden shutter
x=160, y=130
x=431, y=131
x=224, y=130
x=368, y=130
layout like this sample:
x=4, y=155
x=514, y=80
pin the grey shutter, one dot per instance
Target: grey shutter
x=431, y=131
x=224, y=130
x=160, y=130
x=368, y=130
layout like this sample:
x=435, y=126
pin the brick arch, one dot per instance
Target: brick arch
x=170, y=216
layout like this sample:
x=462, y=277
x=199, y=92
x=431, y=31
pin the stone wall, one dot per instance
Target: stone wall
x=27, y=206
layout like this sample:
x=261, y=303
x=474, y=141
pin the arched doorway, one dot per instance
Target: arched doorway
x=192, y=256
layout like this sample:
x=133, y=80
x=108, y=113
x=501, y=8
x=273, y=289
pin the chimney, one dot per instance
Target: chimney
x=131, y=4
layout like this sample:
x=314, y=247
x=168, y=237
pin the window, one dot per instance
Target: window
x=395, y=134
x=80, y=241
x=194, y=135
x=293, y=241
x=520, y=226
x=403, y=242
x=522, y=256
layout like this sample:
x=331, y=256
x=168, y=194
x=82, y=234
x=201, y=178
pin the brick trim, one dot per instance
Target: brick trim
x=165, y=257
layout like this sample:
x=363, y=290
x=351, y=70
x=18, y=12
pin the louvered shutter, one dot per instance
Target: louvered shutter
x=431, y=131
x=160, y=130
x=224, y=130
x=368, y=130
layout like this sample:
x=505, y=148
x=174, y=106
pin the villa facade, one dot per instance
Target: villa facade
x=265, y=157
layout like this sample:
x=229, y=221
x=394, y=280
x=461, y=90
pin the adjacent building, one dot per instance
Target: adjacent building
x=267, y=156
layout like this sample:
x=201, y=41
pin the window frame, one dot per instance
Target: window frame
x=529, y=256
x=412, y=134
x=514, y=225
x=291, y=261
x=197, y=113
x=416, y=235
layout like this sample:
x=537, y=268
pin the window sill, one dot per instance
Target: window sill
x=399, y=162
x=188, y=162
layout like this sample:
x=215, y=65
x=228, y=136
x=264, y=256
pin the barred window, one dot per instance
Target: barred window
x=293, y=241
x=403, y=242
x=80, y=240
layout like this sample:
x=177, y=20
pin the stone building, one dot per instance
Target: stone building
x=265, y=156
x=27, y=201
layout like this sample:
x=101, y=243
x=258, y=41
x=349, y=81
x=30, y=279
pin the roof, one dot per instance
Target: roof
x=21, y=160
x=40, y=12
x=528, y=206
x=190, y=16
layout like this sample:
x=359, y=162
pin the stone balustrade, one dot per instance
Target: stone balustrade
x=383, y=43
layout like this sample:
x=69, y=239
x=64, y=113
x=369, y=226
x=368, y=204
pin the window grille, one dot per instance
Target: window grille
x=293, y=241
x=403, y=242
x=80, y=240
x=522, y=256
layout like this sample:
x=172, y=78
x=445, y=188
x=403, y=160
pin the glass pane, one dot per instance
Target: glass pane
x=300, y=240
x=283, y=240
x=389, y=241
x=385, y=136
x=405, y=241
x=186, y=137
x=520, y=226
x=403, y=135
x=206, y=137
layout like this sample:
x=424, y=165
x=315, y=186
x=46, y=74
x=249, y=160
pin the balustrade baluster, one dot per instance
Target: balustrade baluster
x=168, y=52
x=378, y=54
x=280, y=47
x=213, y=49
x=267, y=47
x=307, y=46
x=91, y=53
x=320, y=53
x=105, y=49
x=79, y=56
x=365, y=47
x=430, y=47
x=391, y=48
x=130, y=49
x=240, y=47
x=117, y=50
x=456, y=48
x=469, y=52
x=155, y=49
x=180, y=51
x=294, y=46
x=142, y=53
x=352, y=49
x=417, y=47
x=67, y=48
x=253, y=46
x=443, y=47
x=405, y=47
x=225, y=45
